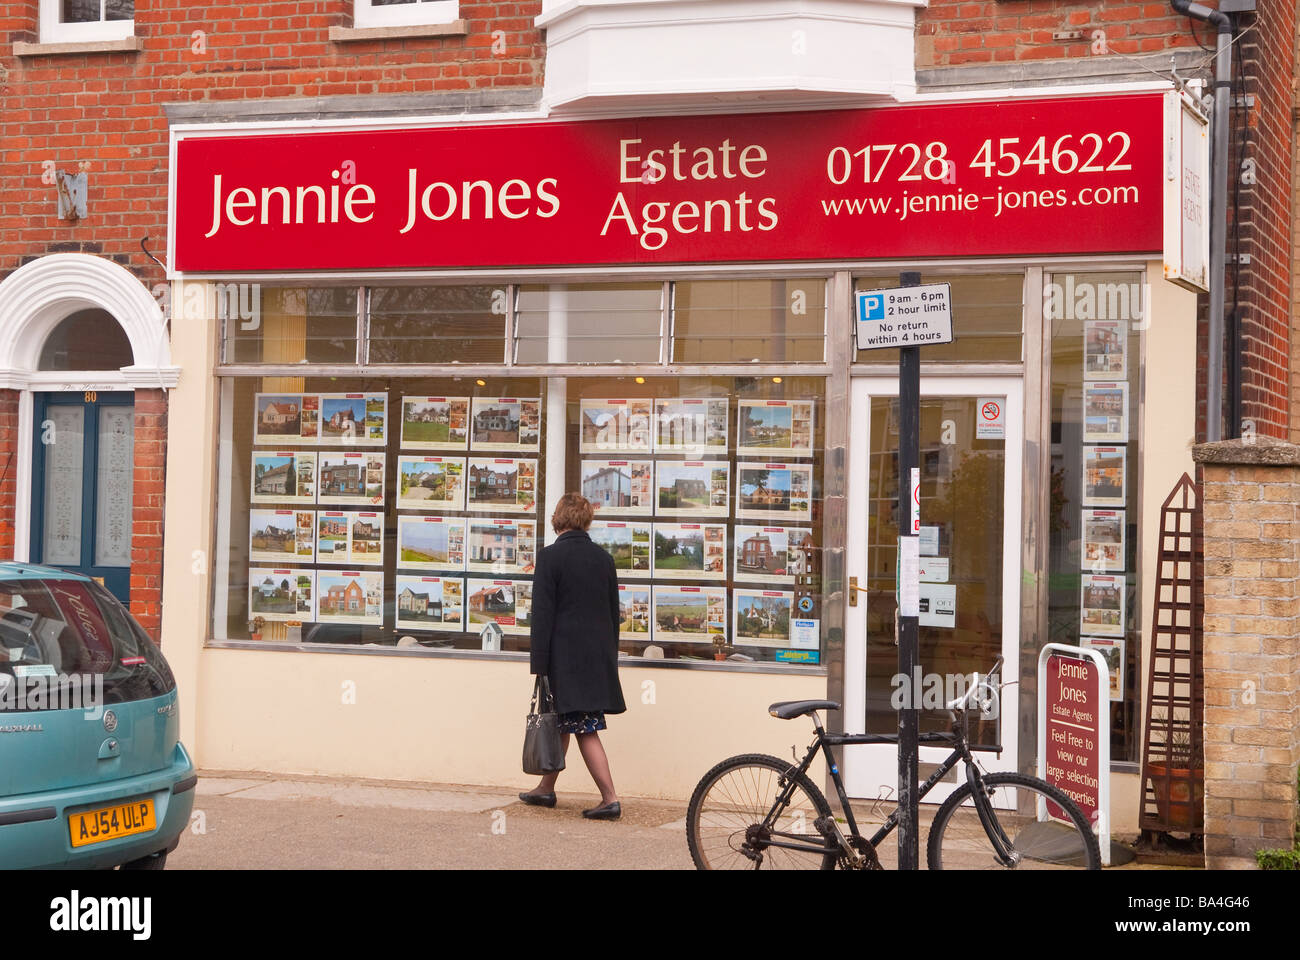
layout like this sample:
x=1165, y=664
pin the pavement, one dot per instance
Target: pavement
x=260, y=821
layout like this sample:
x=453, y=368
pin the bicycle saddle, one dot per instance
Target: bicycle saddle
x=789, y=709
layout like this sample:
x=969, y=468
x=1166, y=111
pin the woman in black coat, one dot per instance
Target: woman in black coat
x=575, y=617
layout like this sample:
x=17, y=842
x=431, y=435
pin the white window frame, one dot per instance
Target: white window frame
x=366, y=14
x=54, y=31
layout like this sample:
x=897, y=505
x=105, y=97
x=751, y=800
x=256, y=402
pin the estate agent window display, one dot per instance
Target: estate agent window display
x=407, y=511
x=707, y=495
x=382, y=510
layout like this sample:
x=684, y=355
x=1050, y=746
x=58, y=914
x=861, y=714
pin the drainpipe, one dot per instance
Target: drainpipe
x=1218, y=208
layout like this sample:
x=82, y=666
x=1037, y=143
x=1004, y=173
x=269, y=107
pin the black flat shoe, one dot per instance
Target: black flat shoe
x=538, y=799
x=610, y=811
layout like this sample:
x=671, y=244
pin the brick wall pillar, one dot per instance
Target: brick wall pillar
x=147, y=509
x=1251, y=498
x=8, y=470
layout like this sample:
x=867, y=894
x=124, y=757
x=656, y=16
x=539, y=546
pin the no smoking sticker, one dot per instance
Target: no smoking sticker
x=990, y=419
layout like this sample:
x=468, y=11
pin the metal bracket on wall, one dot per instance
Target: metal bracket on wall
x=1241, y=258
x=72, y=194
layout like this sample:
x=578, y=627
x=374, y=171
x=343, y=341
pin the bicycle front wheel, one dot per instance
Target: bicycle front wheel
x=737, y=820
x=1041, y=829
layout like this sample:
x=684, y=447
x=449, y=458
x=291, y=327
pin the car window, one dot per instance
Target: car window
x=56, y=634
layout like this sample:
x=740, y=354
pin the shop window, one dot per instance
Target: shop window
x=361, y=510
x=437, y=324
x=708, y=494
x=590, y=323
x=721, y=321
x=86, y=340
x=408, y=511
x=1094, y=590
x=85, y=21
x=400, y=13
x=265, y=324
x=987, y=319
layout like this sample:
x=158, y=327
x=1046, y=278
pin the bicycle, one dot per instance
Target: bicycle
x=1001, y=819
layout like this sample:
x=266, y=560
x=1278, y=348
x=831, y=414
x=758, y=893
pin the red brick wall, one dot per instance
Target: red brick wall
x=1294, y=381
x=8, y=469
x=1263, y=214
x=953, y=33
x=147, y=508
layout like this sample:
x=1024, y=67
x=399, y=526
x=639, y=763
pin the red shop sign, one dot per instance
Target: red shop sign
x=1061, y=176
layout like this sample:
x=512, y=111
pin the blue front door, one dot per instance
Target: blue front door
x=82, y=479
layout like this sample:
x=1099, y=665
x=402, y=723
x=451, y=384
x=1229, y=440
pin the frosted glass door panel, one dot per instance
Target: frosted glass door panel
x=113, y=483
x=63, y=435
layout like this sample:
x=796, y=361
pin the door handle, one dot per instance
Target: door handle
x=853, y=591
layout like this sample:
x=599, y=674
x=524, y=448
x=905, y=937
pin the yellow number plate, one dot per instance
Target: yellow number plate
x=109, y=823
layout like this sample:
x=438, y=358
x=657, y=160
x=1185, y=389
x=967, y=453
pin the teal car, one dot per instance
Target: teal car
x=92, y=770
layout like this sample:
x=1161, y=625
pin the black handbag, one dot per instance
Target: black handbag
x=542, y=750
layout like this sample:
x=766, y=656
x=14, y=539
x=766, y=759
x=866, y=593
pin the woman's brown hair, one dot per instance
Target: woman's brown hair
x=573, y=512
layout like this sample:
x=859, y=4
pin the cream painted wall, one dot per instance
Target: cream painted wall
x=1125, y=795
x=187, y=553
x=462, y=721
x=1168, y=431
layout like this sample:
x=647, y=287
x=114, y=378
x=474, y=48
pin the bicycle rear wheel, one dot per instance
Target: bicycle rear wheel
x=732, y=823
x=1061, y=840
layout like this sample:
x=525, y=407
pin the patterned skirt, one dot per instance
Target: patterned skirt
x=582, y=721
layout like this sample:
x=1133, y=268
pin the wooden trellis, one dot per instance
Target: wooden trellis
x=1172, y=758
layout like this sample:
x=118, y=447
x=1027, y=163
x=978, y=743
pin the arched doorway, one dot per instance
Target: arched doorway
x=84, y=371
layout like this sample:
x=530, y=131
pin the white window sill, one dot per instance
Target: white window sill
x=455, y=28
x=127, y=44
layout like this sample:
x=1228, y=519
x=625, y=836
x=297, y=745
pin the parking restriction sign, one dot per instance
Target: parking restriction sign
x=991, y=419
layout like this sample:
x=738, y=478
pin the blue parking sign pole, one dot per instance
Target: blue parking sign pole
x=909, y=458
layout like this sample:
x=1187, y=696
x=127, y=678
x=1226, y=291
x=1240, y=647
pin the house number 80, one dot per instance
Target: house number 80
x=91, y=396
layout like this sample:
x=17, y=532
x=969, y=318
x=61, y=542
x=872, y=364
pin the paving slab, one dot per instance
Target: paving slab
x=364, y=795
x=208, y=786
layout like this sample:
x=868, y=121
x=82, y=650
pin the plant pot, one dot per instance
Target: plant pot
x=1186, y=791
x=719, y=655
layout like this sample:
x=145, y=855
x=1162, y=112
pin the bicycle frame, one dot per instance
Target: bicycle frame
x=961, y=752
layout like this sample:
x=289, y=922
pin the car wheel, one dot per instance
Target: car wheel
x=155, y=861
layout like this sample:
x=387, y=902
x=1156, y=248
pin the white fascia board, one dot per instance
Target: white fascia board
x=553, y=13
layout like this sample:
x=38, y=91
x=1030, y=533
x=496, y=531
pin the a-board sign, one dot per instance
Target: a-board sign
x=904, y=317
x=1074, y=732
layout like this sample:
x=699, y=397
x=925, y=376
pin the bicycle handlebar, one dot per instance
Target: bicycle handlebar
x=967, y=700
